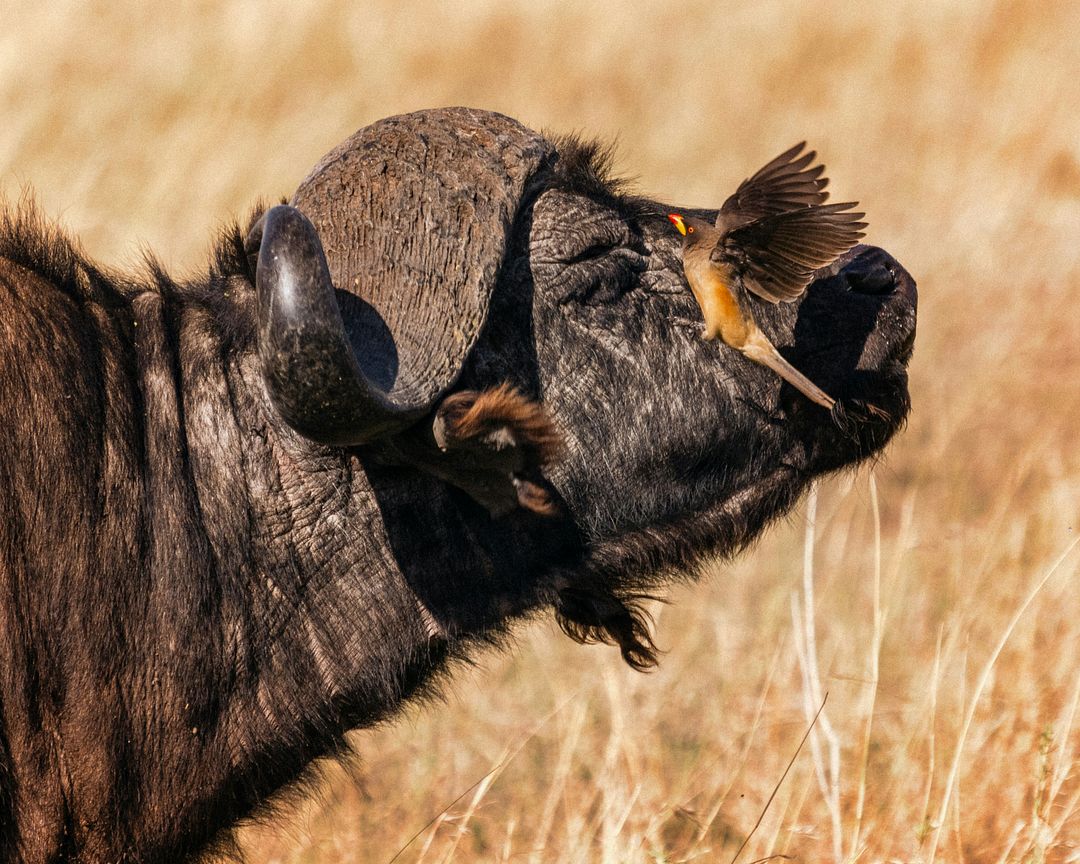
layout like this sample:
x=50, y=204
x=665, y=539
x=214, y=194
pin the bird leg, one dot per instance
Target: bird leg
x=759, y=349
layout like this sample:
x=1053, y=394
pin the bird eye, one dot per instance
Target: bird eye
x=690, y=230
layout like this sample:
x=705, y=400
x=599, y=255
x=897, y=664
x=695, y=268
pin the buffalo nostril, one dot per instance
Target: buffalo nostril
x=875, y=280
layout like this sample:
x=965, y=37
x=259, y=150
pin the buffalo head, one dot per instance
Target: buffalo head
x=455, y=249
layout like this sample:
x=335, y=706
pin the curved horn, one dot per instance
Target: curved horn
x=308, y=363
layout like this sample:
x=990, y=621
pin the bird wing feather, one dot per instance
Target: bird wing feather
x=776, y=256
x=785, y=183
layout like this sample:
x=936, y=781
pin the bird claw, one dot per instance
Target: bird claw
x=858, y=411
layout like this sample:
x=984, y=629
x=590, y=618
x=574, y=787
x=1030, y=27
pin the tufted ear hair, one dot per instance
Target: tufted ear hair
x=414, y=214
x=494, y=444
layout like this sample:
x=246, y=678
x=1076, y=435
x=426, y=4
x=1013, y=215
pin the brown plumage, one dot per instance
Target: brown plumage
x=770, y=237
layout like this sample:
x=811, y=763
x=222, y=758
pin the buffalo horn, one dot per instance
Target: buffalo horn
x=311, y=371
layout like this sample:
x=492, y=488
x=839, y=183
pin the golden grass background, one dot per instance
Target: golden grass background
x=958, y=127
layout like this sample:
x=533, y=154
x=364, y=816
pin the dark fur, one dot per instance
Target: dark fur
x=196, y=602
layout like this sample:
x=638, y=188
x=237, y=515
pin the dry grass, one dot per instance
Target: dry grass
x=950, y=731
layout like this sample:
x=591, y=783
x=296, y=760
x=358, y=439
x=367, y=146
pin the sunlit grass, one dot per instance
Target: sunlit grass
x=950, y=728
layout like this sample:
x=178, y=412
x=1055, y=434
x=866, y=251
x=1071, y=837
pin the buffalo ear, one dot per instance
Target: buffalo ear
x=498, y=441
x=492, y=444
x=415, y=214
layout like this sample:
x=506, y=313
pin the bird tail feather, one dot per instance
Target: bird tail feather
x=767, y=355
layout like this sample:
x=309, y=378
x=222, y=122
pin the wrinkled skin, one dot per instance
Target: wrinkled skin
x=685, y=423
x=196, y=599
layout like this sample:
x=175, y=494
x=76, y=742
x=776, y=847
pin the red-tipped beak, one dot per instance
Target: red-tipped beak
x=676, y=220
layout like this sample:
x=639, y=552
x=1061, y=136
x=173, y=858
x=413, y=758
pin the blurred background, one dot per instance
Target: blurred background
x=949, y=729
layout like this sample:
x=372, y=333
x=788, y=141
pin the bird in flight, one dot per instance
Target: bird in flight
x=769, y=237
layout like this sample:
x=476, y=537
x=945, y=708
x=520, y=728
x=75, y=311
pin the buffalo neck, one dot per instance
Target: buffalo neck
x=208, y=602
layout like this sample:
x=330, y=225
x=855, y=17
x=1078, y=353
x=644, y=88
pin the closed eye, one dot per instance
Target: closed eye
x=601, y=274
x=597, y=251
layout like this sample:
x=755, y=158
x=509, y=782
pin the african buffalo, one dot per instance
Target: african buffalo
x=244, y=514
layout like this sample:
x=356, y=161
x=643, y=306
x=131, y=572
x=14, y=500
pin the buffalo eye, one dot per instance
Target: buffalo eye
x=582, y=250
x=601, y=274
x=592, y=252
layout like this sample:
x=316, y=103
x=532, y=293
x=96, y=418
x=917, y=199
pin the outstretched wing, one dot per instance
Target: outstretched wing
x=784, y=184
x=776, y=256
